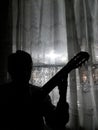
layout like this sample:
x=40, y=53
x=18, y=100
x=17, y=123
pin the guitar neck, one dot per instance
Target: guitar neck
x=53, y=82
x=75, y=62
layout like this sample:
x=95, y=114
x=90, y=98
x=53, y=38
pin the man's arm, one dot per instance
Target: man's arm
x=57, y=117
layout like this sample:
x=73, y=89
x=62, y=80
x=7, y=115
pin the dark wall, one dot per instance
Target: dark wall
x=5, y=36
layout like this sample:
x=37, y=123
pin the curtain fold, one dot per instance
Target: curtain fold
x=53, y=31
x=73, y=48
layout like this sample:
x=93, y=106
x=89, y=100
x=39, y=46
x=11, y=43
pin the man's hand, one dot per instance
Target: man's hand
x=62, y=86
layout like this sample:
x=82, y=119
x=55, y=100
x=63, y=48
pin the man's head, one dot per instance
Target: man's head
x=20, y=66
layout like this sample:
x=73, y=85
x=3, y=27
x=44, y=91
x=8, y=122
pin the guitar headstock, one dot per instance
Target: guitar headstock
x=78, y=60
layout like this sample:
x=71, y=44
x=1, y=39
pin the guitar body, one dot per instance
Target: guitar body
x=74, y=63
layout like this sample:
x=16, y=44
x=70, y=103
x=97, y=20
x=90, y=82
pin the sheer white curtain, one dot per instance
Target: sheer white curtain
x=86, y=17
x=82, y=30
x=52, y=31
x=39, y=27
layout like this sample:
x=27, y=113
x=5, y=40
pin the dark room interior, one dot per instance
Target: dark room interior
x=53, y=32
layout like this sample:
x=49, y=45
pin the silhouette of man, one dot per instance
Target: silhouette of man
x=26, y=107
